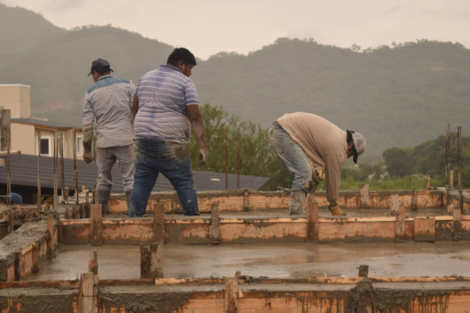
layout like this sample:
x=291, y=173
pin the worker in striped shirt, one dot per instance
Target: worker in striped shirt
x=166, y=108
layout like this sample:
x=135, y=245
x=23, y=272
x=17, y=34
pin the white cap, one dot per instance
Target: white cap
x=359, y=145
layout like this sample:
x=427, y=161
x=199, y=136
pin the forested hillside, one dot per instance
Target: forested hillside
x=397, y=95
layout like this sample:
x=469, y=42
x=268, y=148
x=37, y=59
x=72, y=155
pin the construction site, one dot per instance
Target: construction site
x=392, y=251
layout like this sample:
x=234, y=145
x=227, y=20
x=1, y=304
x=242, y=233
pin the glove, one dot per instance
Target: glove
x=335, y=210
x=318, y=175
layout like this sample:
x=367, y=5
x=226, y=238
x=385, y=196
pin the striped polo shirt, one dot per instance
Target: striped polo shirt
x=163, y=95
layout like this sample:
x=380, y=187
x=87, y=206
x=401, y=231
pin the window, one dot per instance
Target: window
x=45, y=148
x=79, y=145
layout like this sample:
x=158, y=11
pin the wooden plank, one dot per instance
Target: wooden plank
x=364, y=199
x=400, y=225
x=312, y=221
x=231, y=291
x=95, y=225
x=425, y=229
x=34, y=258
x=158, y=222
x=215, y=239
x=151, y=260
x=246, y=201
x=414, y=200
x=88, y=293
x=394, y=204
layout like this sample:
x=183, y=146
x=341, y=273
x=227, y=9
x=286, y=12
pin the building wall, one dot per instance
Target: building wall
x=22, y=138
x=16, y=98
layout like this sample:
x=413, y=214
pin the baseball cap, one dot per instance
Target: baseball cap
x=15, y=198
x=359, y=145
x=101, y=66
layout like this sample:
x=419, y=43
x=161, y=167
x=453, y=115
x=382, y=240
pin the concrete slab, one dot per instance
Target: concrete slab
x=274, y=260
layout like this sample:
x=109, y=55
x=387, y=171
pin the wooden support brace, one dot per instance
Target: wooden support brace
x=50, y=236
x=215, y=223
x=451, y=178
x=364, y=191
x=151, y=260
x=457, y=224
x=394, y=204
x=95, y=225
x=428, y=182
x=363, y=270
x=312, y=221
x=425, y=229
x=88, y=294
x=231, y=293
x=34, y=259
x=158, y=222
x=93, y=263
x=11, y=223
x=414, y=200
x=400, y=225
x=246, y=201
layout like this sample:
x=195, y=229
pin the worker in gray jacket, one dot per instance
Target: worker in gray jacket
x=108, y=106
x=313, y=149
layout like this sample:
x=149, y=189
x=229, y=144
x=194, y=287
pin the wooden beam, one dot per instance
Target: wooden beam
x=151, y=260
x=158, y=222
x=88, y=293
x=400, y=225
x=215, y=223
x=231, y=292
x=312, y=221
x=425, y=229
x=414, y=200
x=364, y=198
x=96, y=231
x=394, y=204
x=34, y=259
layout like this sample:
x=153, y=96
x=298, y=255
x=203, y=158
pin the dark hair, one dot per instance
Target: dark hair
x=181, y=54
x=350, y=138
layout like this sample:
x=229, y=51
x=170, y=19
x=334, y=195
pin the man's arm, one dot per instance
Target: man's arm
x=87, y=125
x=197, y=125
x=333, y=171
x=135, y=107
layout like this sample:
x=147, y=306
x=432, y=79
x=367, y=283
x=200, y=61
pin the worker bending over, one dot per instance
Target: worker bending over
x=310, y=146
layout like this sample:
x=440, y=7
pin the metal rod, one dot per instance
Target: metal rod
x=56, y=163
x=75, y=164
x=8, y=172
x=62, y=178
x=39, y=171
x=448, y=153
x=238, y=158
x=459, y=156
x=226, y=159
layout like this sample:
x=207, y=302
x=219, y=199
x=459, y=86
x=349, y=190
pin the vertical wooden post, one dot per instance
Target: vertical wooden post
x=394, y=204
x=95, y=225
x=428, y=182
x=39, y=196
x=457, y=224
x=448, y=137
x=18, y=266
x=451, y=178
x=425, y=228
x=56, y=172
x=226, y=159
x=364, y=191
x=11, y=223
x=151, y=260
x=238, y=158
x=50, y=235
x=74, y=145
x=215, y=223
x=93, y=263
x=312, y=220
x=34, y=259
x=88, y=294
x=231, y=292
x=414, y=200
x=400, y=225
x=363, y=271
x=158, y=222
x=246, y=201
x=61, y=154
x=65, y=195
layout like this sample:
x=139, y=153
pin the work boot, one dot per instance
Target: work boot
x=128, y=200
x=336, y=210
x=296, y=202
x=103, y=199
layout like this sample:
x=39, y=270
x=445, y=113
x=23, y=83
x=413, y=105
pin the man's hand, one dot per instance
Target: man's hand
x=202, y=156
x=87, y=157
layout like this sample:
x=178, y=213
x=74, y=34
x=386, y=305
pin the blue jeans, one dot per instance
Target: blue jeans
x=292, y=156
x=173, y=161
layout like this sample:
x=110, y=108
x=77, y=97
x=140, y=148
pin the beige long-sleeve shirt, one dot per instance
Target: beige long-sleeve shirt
x=324, y=144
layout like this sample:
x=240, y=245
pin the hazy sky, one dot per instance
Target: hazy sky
x=210, y=26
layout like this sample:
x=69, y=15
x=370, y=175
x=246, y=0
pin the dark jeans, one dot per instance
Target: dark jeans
x=172, y=160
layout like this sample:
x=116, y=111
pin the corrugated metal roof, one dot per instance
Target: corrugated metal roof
x=44, y=123
x=24, y=170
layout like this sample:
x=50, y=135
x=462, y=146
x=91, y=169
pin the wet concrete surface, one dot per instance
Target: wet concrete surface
x=274, y=260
